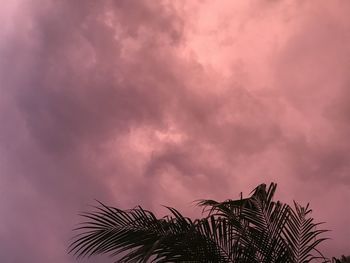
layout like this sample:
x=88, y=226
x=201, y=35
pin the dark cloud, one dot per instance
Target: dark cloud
x=71, y=87
x=150, y=102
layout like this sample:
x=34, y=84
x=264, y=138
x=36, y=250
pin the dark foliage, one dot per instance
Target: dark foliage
x=255, y=230
x=343, y=259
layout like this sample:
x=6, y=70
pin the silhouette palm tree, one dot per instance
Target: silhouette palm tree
x=254, y=229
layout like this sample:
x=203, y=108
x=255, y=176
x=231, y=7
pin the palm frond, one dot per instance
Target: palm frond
x=256, y=229
x=275, y=232
x=302, y=235
x=138, y=235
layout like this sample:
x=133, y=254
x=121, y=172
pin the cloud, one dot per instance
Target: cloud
x=144, y=102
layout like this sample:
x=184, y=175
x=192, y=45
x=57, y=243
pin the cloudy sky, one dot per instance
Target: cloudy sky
x=165, y=102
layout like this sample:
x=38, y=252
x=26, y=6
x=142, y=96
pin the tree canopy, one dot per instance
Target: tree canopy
x=255, y=229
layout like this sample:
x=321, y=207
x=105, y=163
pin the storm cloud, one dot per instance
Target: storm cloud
x=164, y=102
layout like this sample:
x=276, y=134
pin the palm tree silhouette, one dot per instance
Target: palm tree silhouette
x=255, y=229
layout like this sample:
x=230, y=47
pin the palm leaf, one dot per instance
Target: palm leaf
x=140, y=236
x=302, y=234
x=273, y=231
x=248, y=230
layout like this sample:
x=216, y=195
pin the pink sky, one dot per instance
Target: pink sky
x=165, y=102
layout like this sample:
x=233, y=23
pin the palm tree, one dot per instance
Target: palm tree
x=255, y=229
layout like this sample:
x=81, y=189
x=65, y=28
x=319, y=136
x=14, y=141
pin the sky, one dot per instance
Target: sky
x=165, y=102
